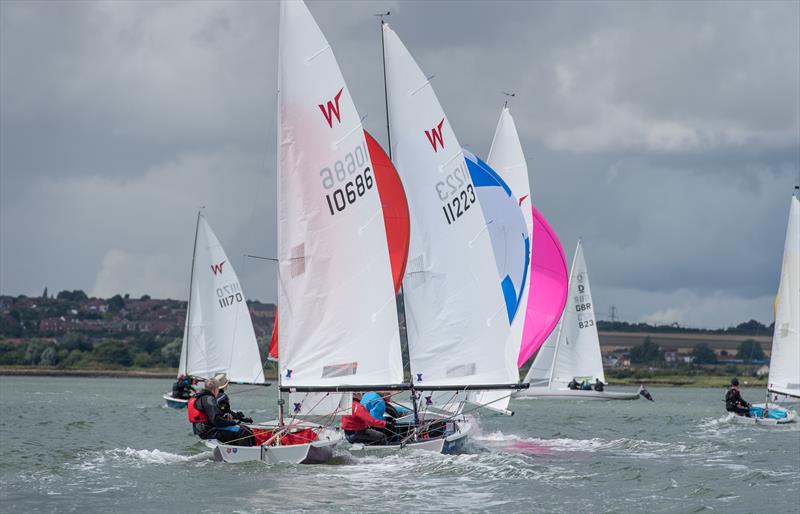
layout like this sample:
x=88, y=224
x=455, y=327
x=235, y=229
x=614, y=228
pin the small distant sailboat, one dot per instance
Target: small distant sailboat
x=783, y=384
x=218, y=336
x=572, y=352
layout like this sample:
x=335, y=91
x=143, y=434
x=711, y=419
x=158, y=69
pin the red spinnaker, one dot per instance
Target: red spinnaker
x=395, y=209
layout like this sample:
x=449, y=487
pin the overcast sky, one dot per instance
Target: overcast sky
x=667, y=135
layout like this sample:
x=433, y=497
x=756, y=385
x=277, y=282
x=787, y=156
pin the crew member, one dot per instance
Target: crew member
x=573, y=385
x=224, y=403
x=359, y=426
x=734, y=401
x=182, y=388
x=598, y=386
x=208, y=422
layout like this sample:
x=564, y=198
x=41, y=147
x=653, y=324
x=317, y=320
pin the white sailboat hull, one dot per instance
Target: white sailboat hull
x=316, y=452
x=569, y=394
x=791, y=417
x=175, y=403
x=447, y=444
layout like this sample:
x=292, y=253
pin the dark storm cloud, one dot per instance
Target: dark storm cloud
x=665, y=134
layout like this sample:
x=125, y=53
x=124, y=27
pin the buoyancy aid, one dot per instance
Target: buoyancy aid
x=196, y=415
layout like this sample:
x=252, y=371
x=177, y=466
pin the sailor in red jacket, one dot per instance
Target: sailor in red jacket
x=358, y=425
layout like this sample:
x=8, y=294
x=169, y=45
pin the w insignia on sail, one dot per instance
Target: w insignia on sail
x=217, y=268
x=330, y=110
x=435, y=135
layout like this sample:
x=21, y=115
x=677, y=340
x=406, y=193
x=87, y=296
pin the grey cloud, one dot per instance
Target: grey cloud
x=664, y=133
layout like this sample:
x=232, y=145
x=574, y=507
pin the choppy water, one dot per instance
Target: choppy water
x=102, y=445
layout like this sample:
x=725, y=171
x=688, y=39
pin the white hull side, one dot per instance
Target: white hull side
x=791, y=417
x=317, y=452
x=175, y=403
x=766, y=422
x=452, y=443
x=568, y=394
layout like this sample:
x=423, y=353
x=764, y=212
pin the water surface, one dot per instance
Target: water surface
x=108, y=445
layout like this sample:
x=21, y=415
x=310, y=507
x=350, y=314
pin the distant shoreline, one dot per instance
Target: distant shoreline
x=166, y=374
x=87, y=373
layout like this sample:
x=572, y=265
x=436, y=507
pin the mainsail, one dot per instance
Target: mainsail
x=784, y=367
x=574, y=351
x=218, y=336
x=338, y=322
x=455, y=309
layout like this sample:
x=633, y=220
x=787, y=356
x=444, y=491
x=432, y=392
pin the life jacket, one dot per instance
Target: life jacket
x=196, y=415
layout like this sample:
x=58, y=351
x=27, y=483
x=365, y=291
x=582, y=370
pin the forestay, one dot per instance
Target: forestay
x=455, y=309
x=784, y=367
x=578, y=349
x=338, y=321
x=218, y=335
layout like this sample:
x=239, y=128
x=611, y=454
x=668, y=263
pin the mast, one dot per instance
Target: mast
x=400, y=299
x=188, y=328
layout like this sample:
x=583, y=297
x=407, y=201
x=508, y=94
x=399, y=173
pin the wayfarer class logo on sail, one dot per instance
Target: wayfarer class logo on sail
x=331, y=109
x=217, y=268
x=435, y=135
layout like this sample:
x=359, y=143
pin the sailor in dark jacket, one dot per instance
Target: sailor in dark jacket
x=734, y=401
x=209, y=422
x=224, y=404
x=182, y=388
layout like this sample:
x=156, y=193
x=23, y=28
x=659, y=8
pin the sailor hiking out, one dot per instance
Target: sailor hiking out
x=208, y=421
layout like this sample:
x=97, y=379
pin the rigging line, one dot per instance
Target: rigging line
x=427, y=424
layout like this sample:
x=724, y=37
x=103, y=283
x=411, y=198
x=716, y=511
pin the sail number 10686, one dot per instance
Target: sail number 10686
x=354, y=189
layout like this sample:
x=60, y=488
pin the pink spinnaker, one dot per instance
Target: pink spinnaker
x=548, y=287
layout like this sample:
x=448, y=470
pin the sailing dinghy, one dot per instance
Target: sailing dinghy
x=338, y=328
x=572, y=352
x=545, y=289
x=784, y=368
x=452, y=291
x=218, y=335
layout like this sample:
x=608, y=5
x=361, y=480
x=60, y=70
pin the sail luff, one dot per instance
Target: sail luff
x=184, y=358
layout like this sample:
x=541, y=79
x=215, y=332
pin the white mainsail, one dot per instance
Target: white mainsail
x=784, y=367
x=218, y=335
x=573, y=349
x=338, y=321
x=578, y=350
x=508, y=160
x=455, y=310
